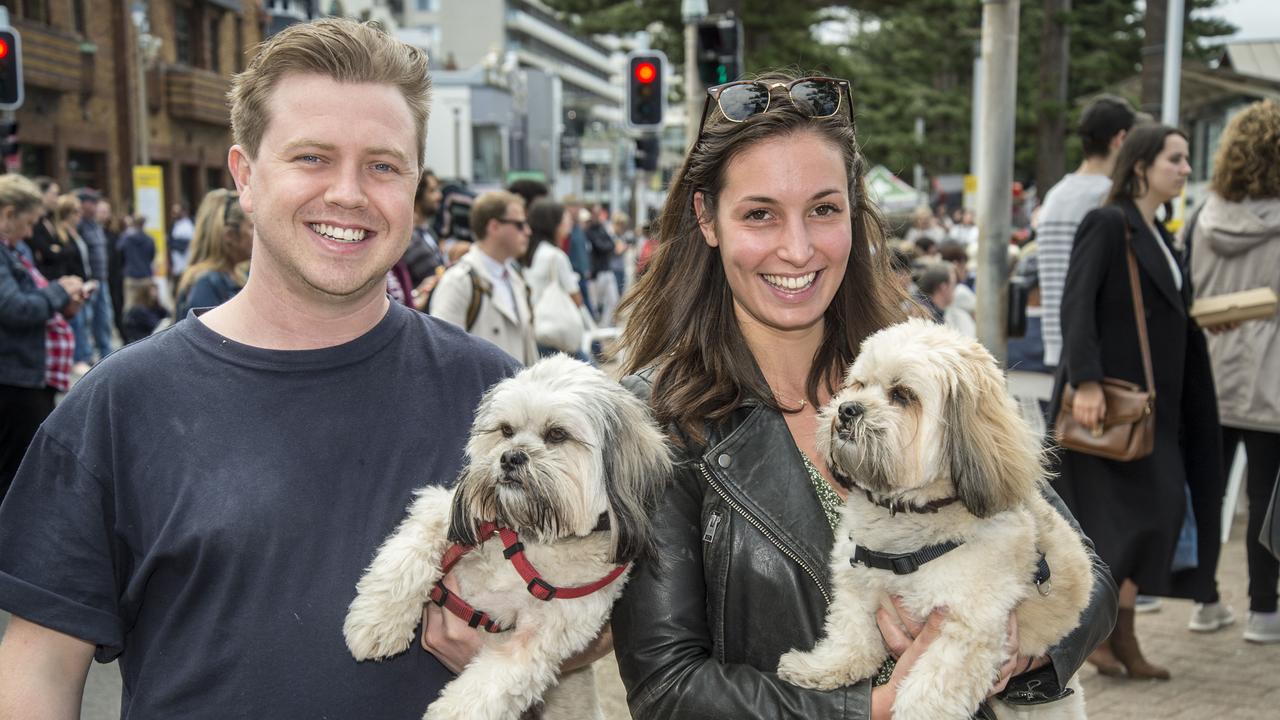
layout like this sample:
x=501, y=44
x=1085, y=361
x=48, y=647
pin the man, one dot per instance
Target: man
x=936, y=289
x=1103, y=127
x=180, y=234
x=99, y=321
x=484, y=292
x=604, y=287
x=137, y=253
x=201, y=505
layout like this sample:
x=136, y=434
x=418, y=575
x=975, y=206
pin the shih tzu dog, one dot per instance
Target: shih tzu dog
x=944, y=510
x=564, y=470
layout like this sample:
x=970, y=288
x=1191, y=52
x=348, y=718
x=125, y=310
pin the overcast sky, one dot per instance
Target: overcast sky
x=1257, y=19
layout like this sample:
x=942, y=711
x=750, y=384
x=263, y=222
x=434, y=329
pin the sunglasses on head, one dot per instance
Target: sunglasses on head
x=816, y=97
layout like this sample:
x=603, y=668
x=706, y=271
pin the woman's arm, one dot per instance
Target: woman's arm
x=664, y=645
x=21, y=308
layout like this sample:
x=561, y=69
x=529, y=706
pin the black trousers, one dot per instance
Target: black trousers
x=21, y=412
x=1263, y=449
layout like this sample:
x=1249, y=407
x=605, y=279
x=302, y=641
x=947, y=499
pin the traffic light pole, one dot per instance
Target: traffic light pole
x=692, y=11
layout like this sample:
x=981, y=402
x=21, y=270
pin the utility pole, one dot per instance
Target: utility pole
x=691, y=11
x=1155, y=26
x=1170, y=97
x=1051, y=125
x=995, y=172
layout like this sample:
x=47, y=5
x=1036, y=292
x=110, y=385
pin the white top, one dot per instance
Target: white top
x=1173, y=264
x=1065, y=205
x=550, y=265
x=503, y=295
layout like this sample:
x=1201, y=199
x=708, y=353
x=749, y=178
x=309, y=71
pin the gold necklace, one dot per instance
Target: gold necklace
x=802, y=402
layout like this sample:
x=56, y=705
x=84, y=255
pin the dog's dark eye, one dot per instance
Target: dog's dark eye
x=556, y=435
x=899, y=396
x=506, y=430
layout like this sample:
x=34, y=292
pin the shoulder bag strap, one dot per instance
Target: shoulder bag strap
x=1139, y=310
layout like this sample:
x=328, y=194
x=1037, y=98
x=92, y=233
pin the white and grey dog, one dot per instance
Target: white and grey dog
x=944, y=509
x=573, y=463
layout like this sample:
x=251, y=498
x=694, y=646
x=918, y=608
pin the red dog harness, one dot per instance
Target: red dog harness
x=513, y=551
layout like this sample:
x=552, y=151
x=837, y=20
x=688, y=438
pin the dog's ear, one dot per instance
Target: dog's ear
x=637, y=467
x=462, y=522
x=994, y=455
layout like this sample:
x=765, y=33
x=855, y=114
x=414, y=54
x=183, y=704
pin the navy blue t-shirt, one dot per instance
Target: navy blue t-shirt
x=202, y=510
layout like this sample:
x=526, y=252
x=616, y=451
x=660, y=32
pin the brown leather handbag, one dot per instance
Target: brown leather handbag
x=1128, y=432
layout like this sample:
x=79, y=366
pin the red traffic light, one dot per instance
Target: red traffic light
x=4, y=48
x=645, y=72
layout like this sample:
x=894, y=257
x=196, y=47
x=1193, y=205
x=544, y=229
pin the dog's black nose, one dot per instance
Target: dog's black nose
x=513, y=459
x=850, y=410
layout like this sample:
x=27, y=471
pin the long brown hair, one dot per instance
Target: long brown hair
x=1141, y=146
x=680, y=316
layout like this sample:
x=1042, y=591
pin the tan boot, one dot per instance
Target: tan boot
x=1105, y=661
x=1124, y=643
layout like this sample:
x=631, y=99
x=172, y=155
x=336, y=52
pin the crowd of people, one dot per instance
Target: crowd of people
x=343, y=288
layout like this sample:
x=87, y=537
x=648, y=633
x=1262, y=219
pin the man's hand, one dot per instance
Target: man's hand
x=452, y=641
x=1089, y=405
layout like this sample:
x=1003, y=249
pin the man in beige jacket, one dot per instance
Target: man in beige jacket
x=484, y=292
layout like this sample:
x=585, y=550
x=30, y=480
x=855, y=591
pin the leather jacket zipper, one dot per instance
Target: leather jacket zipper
x=724, y=495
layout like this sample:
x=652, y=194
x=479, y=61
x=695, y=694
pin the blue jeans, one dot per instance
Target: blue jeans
x=96, y=319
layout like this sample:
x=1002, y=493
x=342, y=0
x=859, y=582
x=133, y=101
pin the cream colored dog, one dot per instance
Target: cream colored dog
x=573, y=463
x=943, y=473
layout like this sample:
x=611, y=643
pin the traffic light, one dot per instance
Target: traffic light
x=10, y=69
x=9, y=139
x=647, y=152
x=646, y=89
x=719, y=50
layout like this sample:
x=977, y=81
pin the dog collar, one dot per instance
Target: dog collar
x=900, y=563
x=513, y=551
x=894, y=507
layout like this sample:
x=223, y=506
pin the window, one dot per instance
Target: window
x=77, y=12
x=34, y=10
x=182, y=36
x=213, y=40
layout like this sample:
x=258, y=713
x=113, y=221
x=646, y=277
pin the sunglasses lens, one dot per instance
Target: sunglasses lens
x=742, y=101
x=816, y=98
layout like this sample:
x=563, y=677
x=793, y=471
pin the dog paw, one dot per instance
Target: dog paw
x=376, y=640
x=799, y=668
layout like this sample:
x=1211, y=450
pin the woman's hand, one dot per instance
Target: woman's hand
x=1089, y=405
x=422, y=293
x=448, y=637
x=907, y=639
x=1221, y=328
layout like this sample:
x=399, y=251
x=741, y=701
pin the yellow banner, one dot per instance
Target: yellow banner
x=148, y=201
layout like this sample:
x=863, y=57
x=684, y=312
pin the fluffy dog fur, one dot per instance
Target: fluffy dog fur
x=927, y=417
x=551, y=450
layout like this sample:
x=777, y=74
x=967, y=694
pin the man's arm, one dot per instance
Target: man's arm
x=42, y=672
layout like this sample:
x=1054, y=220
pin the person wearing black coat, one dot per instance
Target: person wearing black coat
x=1133, y=511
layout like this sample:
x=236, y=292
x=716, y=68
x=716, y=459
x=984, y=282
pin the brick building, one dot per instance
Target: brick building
x=79, y=121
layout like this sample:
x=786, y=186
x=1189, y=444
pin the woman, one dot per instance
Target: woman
x=36, y=343
x=1134, y=510
x=222, y=242
x=770, y=270
x=1236, y=246
x=546, y=263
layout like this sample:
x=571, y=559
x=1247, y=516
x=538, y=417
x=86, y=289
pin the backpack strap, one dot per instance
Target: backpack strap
x=479, y=291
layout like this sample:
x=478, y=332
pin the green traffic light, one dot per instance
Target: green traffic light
x=722, y=74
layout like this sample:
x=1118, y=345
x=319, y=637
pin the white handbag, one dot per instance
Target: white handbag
x=556, y=321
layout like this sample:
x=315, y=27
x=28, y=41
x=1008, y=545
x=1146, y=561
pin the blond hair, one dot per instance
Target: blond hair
x=1247, y=164
x=211, y=244
x=66, y=208
x=19, y=193
x=343, y=50
x=491, y=206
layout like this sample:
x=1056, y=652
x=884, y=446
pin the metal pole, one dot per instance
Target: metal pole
x=1170, y=96
x=691, y=11
x=995, y=173
x=144, y=145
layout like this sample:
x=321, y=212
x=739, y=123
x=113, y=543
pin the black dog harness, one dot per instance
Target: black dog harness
x=907, y=563
x=514, y=552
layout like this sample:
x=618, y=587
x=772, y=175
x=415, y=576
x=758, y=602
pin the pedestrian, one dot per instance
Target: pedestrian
x=138, y=252
x=201, y=505
x=547, y=269
x=144, y=313
x=50, y=256
x=181, y=230
x=604, y=287
x=99, y=323
x=112, y=228
x=1134, y=511
x=770, y=271
x=1236, y=246
x=36, y=344
x=220, y=248
x=936, y=289
x=1102, y=130
x=485, y=292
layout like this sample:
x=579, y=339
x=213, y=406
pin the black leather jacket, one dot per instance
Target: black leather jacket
x=743, y=578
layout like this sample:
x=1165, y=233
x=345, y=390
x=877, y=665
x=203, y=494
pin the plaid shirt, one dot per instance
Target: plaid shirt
x=59, y=341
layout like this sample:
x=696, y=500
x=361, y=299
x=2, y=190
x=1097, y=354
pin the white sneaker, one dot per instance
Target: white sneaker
x=1147, y=604
x=1207, y=617
x=1263, y=627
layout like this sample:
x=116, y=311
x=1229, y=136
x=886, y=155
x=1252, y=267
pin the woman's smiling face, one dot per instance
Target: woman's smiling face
x=782, y=225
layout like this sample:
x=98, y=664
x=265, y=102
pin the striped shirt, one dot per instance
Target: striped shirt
x=1065, y=205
